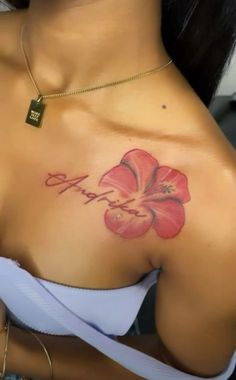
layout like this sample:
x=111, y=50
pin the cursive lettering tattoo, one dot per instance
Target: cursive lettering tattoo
x=156, y=194
x=60, y=179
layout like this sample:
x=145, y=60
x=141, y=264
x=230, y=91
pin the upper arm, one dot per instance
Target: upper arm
x=195, y=310
x=191, y=319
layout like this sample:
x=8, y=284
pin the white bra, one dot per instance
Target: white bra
x=19, y=287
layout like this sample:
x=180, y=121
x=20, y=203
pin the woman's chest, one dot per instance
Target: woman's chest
x=54, y=207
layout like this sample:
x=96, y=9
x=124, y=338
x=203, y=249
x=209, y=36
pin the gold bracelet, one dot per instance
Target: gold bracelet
x=2, y=374
x=45, y=350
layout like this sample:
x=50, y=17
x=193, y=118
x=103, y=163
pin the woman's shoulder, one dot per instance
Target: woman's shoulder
x=197, y=172
x=194, y=209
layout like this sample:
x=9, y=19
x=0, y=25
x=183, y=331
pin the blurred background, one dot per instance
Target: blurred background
x=223, y=106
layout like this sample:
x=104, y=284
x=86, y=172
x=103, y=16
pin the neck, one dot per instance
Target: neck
x=76, y=43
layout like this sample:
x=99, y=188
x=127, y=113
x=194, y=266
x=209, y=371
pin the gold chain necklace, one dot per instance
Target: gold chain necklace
x=37, y=107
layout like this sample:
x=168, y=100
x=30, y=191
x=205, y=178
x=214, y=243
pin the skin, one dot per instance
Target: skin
x=88, y=135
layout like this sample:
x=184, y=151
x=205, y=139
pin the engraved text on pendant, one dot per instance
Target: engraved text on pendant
x=35, y=113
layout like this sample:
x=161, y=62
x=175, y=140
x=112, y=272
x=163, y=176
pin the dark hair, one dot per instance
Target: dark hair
x=200, y=36
x=19, y=3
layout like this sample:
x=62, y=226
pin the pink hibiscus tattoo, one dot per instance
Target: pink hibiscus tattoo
x=157, y=192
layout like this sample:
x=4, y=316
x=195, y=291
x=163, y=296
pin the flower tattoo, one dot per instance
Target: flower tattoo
x=157, y=192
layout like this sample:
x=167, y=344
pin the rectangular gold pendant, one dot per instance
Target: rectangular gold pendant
x=35, y=112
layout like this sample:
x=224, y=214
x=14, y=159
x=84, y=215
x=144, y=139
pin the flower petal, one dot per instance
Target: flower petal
x=143, y=165
x=127, y=225
x=121, y=178
x=169, y=183
x=170, y=217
